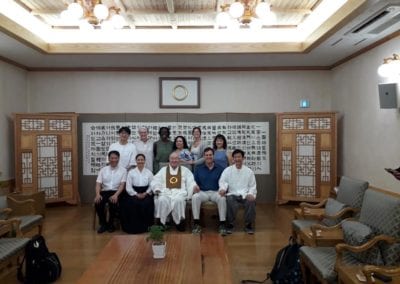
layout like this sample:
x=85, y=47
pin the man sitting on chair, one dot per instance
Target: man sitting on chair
x=240, y=182
x=173, y=184
x=206, y=176
x=109, y=184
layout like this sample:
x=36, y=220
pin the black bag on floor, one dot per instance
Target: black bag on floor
x=41, y=266
x=286, y=268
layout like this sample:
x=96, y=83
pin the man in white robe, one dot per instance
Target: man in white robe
x=240, y=184
x=172, y=185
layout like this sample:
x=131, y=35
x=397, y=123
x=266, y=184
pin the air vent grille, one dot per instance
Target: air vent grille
x=370, y=22
x=386, y=25
x=378, y=22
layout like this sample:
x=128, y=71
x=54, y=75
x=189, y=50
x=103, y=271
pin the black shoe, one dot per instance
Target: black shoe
x=111, y=228
x=229, y=229
x=249, y=229
x=102, y=229
x=181, y=226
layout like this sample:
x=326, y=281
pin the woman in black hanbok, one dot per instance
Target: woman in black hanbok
x=137, y=205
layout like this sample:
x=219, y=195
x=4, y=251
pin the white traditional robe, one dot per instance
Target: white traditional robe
x=238, y=181
x=172, y=200
x=138, y=178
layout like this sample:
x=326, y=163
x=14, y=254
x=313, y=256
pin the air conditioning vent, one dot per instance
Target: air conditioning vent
x=370, y=22
x=378, y=22
x=386, y=25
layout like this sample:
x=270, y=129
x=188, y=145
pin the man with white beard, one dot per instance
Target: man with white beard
x=172, y=185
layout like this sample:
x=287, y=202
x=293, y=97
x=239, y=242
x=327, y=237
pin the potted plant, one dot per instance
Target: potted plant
x=156, y=235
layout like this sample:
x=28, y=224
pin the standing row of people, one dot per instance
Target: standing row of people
x=165, y=194
x=157, y=153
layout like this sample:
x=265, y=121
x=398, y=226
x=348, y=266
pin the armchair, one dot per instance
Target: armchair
x=372, y=240
x=22, y=210
x=350, y=191
x=11, y=249
x=330, y=212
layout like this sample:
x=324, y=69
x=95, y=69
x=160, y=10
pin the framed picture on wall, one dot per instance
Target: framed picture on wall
x=179, y=92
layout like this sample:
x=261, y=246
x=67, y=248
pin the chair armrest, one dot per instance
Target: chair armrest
x=369, y=270
x=21, y=207
x=309, y=205
x=304, y=206
x=348, y=211
x=10, y=226
x=321, y=227
x=340, y=248
x=6, y=212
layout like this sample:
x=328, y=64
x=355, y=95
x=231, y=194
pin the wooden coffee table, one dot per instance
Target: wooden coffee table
x=189, y=259
x=326, y=239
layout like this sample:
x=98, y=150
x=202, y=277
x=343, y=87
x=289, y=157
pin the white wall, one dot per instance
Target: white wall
x=370, y=136
x=119, y=92
x=13, y=83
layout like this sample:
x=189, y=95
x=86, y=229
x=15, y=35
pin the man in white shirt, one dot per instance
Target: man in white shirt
x=126, y=149
x=109, y=184
x=173, y=185
x=145, y=146
x=240, y=183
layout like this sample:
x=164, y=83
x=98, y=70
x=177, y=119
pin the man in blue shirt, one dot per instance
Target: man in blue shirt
x=207, y=176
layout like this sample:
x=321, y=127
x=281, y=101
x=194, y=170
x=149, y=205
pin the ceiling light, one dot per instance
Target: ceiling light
x=94, y=13
x=390, y=66
x=245, y=13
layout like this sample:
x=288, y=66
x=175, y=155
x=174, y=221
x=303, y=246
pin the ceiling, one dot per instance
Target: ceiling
x=181, y=35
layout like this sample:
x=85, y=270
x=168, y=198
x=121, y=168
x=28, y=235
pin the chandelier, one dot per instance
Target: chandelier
x=92, y=13
x=390, y=66
x=252, y=13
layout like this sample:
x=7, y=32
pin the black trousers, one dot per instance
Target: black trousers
x=101, y=208
x=137, y=215
x=233, y=202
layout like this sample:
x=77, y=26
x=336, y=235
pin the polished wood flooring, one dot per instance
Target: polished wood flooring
x=68, y=231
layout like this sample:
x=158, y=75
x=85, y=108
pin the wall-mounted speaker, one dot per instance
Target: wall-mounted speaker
x=388, y=95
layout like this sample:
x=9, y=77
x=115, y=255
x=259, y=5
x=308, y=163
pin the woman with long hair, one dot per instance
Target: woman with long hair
x=222, y=156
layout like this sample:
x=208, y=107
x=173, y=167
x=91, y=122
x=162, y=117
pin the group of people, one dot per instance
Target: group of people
x=146, y=182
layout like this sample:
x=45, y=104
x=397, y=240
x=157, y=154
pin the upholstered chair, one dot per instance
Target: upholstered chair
x=22, y=210
x=349, y=198
x=12, y=246
x=373, y=239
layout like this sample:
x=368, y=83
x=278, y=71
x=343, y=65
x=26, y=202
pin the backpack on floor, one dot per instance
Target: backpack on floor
x=41, y=266
x=286, y=268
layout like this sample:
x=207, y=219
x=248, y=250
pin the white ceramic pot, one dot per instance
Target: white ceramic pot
x=159, y=250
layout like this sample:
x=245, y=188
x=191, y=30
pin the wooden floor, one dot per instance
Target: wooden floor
x=68, y=232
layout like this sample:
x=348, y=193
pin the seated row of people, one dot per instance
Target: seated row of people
x=165, y=195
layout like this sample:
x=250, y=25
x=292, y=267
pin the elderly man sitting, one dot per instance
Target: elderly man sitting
x=173, y=185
